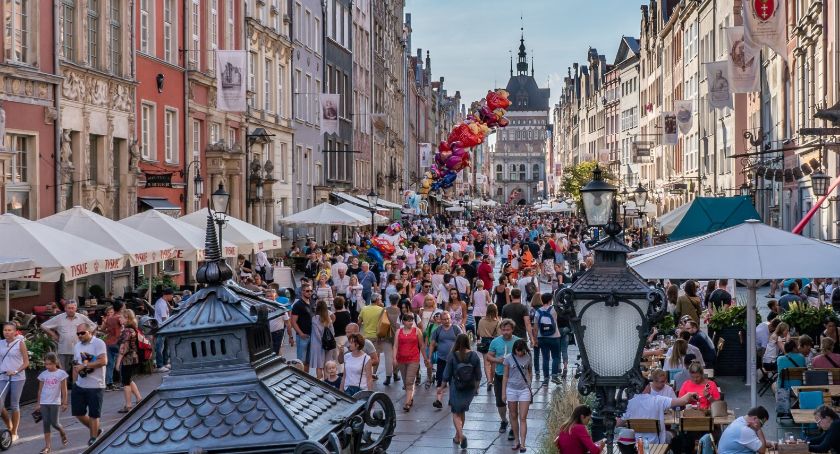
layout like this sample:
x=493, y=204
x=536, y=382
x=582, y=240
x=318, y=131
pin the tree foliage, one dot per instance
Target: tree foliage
x=576, y=177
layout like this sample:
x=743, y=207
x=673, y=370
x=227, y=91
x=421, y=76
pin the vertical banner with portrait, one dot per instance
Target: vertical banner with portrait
x=743, y=61
x=329, y=113
x=230, y=80
x=669, y=128
x=720, y=94
x=685, y=115
x=425, y=155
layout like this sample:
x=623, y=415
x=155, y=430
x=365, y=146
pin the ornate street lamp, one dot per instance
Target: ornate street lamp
x=220, y=199
x=640, y=196
x=820, y=183
x=745, y=189
x=612, y=310
x=373, y=199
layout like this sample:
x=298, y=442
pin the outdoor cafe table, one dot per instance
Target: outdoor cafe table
x=834, y=390
x=652, y=449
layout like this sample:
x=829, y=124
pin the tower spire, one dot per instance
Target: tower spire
x=522, y=64
x=510, y=52
x=532, y=63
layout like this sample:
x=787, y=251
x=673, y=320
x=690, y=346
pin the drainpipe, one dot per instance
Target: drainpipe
x=57, y=103
x=188, y=158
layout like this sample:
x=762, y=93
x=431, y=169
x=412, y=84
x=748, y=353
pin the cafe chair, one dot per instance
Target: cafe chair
x=816, y=377
x=645, y=426
x=810, y=399
x=835, y=376
x=792, y=374
x=799, y=448
x=702, y=424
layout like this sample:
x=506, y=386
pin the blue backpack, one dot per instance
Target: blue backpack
x=546, y=323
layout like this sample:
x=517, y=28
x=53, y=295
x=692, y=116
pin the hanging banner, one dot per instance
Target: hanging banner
x=230, y=80
x=720, y=95
x=669, y=132
x=329, y=113
x=764, y=24
x=743, y=61
x=425, y=156
x=685, y=115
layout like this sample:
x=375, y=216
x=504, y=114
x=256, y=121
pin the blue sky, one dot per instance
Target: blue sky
x=469, y=41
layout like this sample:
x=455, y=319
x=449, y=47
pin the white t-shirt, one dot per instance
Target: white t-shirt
x=428, y=249
x=354, y=370
x=161, y=311
x=66, y=328
x=96, y=378
x=51, y=391
x=667, y=391
x=739, y=438
x=648, y=406
x=762, y=335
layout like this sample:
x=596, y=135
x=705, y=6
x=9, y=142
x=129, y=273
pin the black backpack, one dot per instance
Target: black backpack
x=464, y=374
x=328, y=340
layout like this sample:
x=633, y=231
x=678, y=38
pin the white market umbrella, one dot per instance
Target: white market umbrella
x=378, y=218
x=670, y=220
x=139, y=248
x=248, y=238
x=54, y=253
x=751, y=252
x=455, y=209
x=326, y=214
x=15, y=267
x=649, y=208
x=187, y=240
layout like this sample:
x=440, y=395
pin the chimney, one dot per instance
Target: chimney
x=428, y=61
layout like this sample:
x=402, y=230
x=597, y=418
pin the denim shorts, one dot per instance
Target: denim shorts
x=302, y=348
x=86, y=401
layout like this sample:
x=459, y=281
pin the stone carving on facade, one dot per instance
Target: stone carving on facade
x=98, y=93
x=211, y=97
x=268, y=167
x=66, y=149
x=121, y=98
x=50, y=115
x=133, y=157
x=73, y=87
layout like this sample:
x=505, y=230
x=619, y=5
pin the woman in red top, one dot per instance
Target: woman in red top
x=705, y=388
x=574, y=438
x=408, y=346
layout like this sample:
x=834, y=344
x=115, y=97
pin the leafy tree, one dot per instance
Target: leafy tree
x=576, y=177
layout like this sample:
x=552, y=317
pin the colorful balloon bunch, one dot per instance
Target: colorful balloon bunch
x=453, y=153
x=386, y=244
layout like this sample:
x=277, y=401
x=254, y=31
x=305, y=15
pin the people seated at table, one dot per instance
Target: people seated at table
x=762, y=336
x=683, y=375
x=775, y=345
x=659, y=386
x=832, y=332
x=573, y=438
x=674, y=357
x=685, y=335
x=827, y=359
x=649, y=406
x=702, y=341
x=791, y=358
x=829, y=422
x=806, y=348
x=744, y=435
x=702, y=386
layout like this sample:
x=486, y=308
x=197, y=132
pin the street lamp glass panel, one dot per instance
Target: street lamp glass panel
x=819, y=183
x=372, y=199
x=198, y=185
x=597, y=202
x=220, y=199
x=744, y=189
x=640, y=196
x=602, y=325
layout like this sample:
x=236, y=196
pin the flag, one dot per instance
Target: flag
x=743, y=62
x=685, y=115
x=764, y=24
x=669, y=133
x=720, y=95
x=425, y=155
x=230, y=80
x=329, y=113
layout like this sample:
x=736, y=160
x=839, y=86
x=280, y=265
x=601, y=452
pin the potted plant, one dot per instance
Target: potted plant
x=729, y=325
x=97, y=292
x=806, y=319
x=666, y=325
x=38, y=343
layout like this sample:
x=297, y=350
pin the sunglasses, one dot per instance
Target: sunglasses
x=81, y=333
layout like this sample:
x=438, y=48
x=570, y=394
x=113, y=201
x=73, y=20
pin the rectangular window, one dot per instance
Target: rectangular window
x=296, y=159
x=283, y=158
x=231, y=137
x=268, y=101
x=317, y=35
x=215, y=133
x=307, y=26
x=147, y=133
x=68, y=19
x=214, y=33
x=16, y=171
x=307, y=112
x=299, y=94
x=145, y=25
x=315, y=98
x=16, y=39
x=196, y=139
x=115, y=41
x=93, y=33
x=275, y=16
x=170, y=34
x=297, y=23
x=229, y=25
x=280, y=76
x=93, y=158
x=194, y=53
x=170, y=131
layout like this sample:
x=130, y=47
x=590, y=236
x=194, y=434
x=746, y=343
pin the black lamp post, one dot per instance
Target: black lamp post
x=373, y=199
x=819, y=183
x=612, y=310
x=640, y=196
x=220, y=199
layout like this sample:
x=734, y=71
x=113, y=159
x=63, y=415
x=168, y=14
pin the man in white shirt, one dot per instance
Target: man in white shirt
x=161, y=314
x=428, y=250
x=527, y=277
x=744, y=435
x=648, y=406
x=62, y=328
x=90, y=356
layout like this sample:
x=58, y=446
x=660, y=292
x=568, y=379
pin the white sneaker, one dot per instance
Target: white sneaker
x=162, y=369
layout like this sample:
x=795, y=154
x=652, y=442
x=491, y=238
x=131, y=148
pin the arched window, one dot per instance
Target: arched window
x=535, y=172
x=522, y=172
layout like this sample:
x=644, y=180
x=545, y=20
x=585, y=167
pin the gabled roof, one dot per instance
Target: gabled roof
x=628, y=49
x=522, y=85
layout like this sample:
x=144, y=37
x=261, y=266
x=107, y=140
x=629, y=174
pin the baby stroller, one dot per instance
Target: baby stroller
x=5, y=433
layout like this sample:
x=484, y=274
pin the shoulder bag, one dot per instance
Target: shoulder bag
x=383, y=330
x=524, y=378
x=352, y=390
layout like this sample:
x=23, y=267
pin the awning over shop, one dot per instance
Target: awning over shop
x=710, y=214
x=159, y=203
x=380, y=205
x=670, y=220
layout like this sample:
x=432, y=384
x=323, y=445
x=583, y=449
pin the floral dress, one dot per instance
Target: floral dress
x=128, y=346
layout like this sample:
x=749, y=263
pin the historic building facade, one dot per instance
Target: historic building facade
x=339, y=156
x=362, y=95
x=519, y=154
